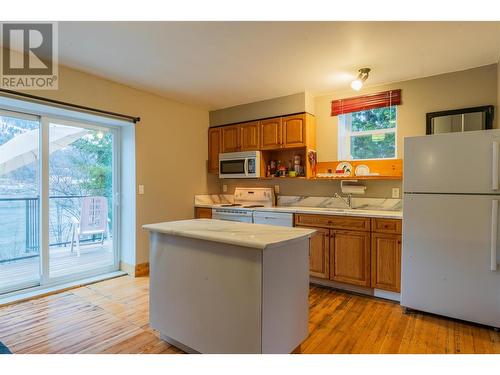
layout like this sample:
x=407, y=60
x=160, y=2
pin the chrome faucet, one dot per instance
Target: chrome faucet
x=347, y=200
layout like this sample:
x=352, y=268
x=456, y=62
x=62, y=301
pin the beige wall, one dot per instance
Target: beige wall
x=171, y=146
x=467, y=88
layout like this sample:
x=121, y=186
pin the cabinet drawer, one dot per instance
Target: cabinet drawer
x=386, y=226
x=335, y=222
x=202, y=213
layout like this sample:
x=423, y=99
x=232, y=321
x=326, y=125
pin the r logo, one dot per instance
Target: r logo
x=31, y=46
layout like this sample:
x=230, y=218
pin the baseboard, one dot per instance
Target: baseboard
x=342, y=286
x=393, y=296
x=136, y=270
x=142, y=269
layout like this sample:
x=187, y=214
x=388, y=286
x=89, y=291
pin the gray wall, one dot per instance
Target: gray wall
x=300, y=102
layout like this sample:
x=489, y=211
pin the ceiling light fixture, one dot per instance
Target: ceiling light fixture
x=357, y=84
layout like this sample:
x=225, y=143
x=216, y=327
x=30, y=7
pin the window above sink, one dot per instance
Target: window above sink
x=368, y=134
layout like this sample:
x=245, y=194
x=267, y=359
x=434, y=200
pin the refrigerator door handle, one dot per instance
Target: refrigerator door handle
x=494, y=167
x=494, y=233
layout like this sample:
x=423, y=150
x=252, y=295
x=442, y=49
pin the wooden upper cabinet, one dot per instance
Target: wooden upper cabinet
x=319, y=253
x=294, y=131
x=386, y=261
x=350, y=257
x=214, y=148
x=230, y=138
x=270, y=134
x=249, y=136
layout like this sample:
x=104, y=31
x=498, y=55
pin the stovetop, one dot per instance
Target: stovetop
x=240, y=205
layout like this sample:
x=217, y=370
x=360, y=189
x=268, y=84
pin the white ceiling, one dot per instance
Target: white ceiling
x=219, y=64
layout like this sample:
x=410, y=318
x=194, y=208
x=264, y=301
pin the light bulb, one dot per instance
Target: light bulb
x=357, y=84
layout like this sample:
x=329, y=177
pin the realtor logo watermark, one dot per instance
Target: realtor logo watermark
x=29, y=58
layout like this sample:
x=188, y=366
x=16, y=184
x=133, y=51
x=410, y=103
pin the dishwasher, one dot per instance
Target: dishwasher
x=282, y=219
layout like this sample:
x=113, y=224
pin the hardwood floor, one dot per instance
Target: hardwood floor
x=112, y=317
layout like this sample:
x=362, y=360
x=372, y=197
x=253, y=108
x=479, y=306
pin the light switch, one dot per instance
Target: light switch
x=395, y=192
x=224, y=188
x=276, y=189
x=141, y=189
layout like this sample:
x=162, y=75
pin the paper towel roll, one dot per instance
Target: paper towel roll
x=353, y=189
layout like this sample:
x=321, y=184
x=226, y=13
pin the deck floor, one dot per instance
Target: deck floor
x=62, y=263
x=112, y=317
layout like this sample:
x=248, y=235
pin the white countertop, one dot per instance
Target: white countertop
x=336, y=211
x=386, y=214
x=255, y=236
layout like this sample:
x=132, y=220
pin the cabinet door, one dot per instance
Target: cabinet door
x=230, y=138
x=386, y=261
x=294, y=131
x=213, y=149
x=350, y=257
x=249, y=136
x=270, y=134
x=319, y=253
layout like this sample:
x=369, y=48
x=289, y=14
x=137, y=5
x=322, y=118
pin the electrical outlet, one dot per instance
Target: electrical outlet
x=224, y=188
x=395, y=192
x=141, y=189
x=276, y=189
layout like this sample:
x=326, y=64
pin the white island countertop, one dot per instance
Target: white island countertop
x=255, y=236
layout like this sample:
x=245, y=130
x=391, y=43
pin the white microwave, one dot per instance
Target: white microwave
x=239, y=164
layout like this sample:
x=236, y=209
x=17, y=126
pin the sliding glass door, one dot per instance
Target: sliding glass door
x=81, y=199
x=58, y=214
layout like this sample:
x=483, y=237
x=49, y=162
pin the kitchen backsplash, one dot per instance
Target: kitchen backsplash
x=387, y=204
x=311, y=188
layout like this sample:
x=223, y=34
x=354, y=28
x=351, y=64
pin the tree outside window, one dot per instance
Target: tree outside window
x=369, y=134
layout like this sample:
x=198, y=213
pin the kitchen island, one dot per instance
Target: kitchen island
x=229, y=287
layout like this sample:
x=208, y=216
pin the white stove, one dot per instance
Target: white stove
x=246, y=200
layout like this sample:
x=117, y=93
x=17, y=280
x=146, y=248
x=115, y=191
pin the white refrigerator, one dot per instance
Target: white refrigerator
x=450, y=226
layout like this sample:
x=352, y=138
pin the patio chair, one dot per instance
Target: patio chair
x=93, y=220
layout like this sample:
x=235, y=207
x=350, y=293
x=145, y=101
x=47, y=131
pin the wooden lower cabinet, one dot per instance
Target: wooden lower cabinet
x=386, y=261
x=350, y=257
x=203, y=213
x=355, y=250
x=319, y=253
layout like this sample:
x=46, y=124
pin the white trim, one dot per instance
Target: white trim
x=44, y=201
x=24, y=116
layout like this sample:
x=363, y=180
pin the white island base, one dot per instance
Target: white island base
x=229, y=297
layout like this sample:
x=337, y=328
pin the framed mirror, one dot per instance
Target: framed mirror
x=460, y=120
